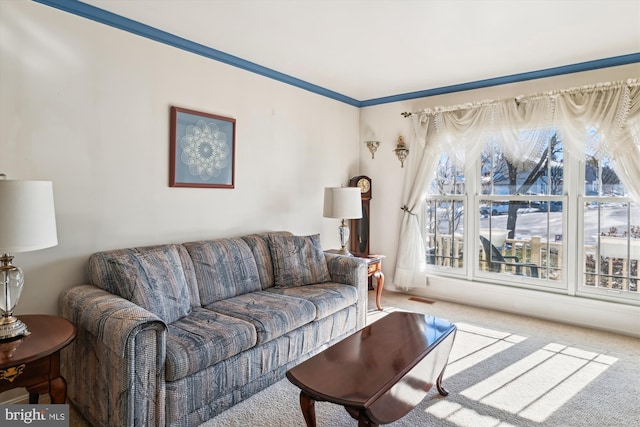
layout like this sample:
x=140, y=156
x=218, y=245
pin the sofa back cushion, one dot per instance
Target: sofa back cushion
x=297, y=260
x=259, y=244
x=224, y=268
x=152, y=277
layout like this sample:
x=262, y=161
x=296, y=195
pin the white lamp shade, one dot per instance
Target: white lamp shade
x=342, y=202
x=27, y=216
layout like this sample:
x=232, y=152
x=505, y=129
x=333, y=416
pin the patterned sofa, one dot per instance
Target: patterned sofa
x=175, y=334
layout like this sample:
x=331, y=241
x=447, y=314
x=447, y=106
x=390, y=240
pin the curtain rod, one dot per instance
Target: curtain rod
x=522, y=98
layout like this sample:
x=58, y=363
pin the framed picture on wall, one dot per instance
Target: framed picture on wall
x=202, y=149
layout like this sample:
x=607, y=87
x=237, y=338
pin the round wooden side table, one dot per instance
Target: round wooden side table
x=33, y=361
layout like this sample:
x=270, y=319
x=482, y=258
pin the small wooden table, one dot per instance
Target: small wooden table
x=377, y=385
x=374, y=270
x=33, y=361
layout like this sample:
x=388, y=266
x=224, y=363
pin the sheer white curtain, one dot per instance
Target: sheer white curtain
x=605, y=117
x=411, y=263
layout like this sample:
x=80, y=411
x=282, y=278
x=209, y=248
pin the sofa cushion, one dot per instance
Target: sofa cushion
x=204, y=338
x=272, y=315
x=259, y=244
x=328, y=298
x=151, y=277
x=297, y=260
x=224, y=268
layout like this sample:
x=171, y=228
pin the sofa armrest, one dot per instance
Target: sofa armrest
x=115, y=366
x=351, y=271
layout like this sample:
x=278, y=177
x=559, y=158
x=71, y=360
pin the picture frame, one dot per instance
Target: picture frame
x=201, y=149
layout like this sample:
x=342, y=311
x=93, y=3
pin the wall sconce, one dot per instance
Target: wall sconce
x=372, y=146
x=401, y=150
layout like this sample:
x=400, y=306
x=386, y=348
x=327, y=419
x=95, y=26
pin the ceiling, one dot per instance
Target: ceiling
x=370, y=49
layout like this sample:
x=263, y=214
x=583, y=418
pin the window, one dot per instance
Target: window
x=518, y=222
x=444, y=232
x=443, y=218
x=610, y=234
x=521, y=210
x=521, y=183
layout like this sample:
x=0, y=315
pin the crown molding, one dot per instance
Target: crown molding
x=102, y=16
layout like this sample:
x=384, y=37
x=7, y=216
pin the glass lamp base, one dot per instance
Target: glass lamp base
x=11, y=327
x=343, y=235
x=344, y=251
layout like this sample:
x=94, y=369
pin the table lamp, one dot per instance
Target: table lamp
x=27, y=223
x=343, y=203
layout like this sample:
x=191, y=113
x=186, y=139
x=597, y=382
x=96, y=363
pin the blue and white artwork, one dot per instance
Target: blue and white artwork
x=203, y=149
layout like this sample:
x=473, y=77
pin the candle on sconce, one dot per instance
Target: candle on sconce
x=401, y=150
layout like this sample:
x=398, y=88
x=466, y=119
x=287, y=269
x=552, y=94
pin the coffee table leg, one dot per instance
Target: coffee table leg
x=364, y=422
x=308, y=406
x=361, y=416
x=441, y=389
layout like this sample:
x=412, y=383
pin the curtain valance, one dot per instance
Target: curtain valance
x=604, y=119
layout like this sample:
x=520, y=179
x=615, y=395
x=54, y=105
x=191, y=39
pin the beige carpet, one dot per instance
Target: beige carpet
x=504, y=370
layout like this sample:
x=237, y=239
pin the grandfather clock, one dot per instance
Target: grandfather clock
x=359, y=243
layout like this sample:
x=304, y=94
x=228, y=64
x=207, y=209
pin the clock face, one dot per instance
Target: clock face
x=363, y=185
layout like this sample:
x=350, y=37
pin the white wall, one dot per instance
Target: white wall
x=386, y=123
x=87, y=106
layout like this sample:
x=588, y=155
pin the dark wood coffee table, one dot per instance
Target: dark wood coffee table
x=380, y=373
